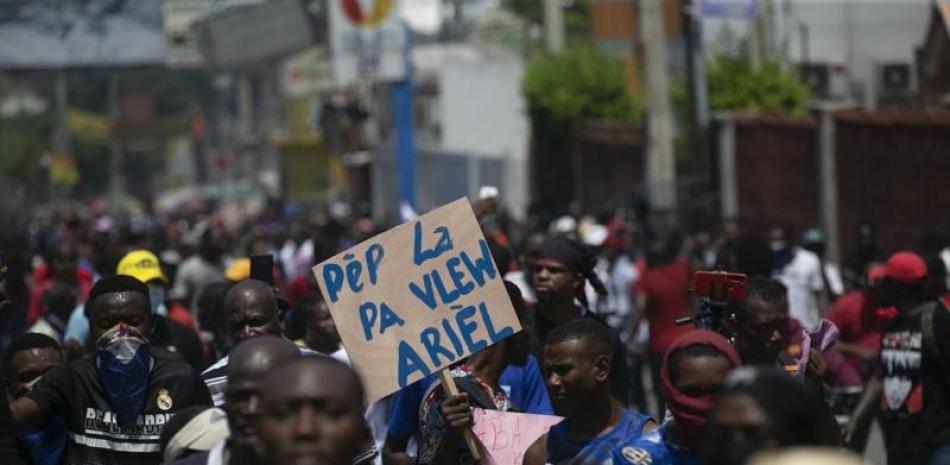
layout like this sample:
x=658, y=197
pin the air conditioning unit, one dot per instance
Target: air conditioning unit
x=818, y=78
x=894, y=81
x=826, y=80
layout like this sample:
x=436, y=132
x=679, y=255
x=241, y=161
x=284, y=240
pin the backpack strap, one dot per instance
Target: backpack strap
x=929, y=335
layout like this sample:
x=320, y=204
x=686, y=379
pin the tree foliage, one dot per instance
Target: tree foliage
x=734, y=85
x=576, y=16
x=23, y=141
x=578, y=83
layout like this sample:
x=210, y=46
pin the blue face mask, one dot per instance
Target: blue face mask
x=123, y=364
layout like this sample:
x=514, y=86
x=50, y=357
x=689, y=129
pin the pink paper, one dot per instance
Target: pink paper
x=821, y=339
x=506, y=436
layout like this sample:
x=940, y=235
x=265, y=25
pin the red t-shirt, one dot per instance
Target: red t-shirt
x=855, y=318
x=664, y=288
x=300, y=288
x=179, y=314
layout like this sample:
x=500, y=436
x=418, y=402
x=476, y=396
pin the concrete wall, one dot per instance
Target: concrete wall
x=480, y=112
x=484, y=115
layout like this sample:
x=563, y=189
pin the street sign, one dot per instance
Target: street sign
x=367, y=40
x=256, y=34
x=181, y=44
x=737, y=9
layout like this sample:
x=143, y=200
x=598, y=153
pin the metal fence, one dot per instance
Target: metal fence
x=889, y=169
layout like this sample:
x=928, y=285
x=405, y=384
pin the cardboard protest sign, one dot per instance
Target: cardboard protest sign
x=506, y=436
x=417, y=298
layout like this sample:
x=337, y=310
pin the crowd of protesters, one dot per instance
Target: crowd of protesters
x=147, y=341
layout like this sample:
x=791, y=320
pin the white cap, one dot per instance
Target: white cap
x=202, y=433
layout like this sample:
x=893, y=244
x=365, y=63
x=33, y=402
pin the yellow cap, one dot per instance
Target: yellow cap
x=239, y=270
x=142, y=265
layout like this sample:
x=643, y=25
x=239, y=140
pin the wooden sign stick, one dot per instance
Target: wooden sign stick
x=451, y=390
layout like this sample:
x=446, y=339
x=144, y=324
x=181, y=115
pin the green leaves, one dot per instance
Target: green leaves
x=734, y=85
x=23, y=141
x=580, y=82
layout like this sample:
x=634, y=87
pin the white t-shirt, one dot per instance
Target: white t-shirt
x=377, y=413
x=216, y=455
x=522, y=280
x=802, y=277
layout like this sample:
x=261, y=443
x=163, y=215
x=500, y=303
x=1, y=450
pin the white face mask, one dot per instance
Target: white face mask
x=26, y=387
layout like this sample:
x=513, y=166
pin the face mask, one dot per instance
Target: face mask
x=26, y=387
x=156, y=295
x=122, y=362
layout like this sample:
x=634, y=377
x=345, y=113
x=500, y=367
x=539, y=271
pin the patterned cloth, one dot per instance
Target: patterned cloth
x=432, y=425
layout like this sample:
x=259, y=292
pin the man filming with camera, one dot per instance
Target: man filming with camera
x=753, y=314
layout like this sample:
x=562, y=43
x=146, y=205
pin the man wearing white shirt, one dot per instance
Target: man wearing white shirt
x=806, y=277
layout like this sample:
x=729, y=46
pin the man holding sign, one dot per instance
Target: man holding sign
x=416, y=299
x=438, y=420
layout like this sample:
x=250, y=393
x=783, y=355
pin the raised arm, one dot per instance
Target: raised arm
x=22, y=413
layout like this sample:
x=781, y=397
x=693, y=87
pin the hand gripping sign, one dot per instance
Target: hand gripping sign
x=417, y=298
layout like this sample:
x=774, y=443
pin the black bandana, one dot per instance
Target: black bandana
x=575, y=256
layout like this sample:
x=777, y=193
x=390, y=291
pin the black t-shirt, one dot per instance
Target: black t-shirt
x=915, y=406
x=174, y=337
x=540, y=327
x=13, y=450
x=74, y=393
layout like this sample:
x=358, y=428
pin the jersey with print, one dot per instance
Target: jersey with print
x=95, y=438
x=915, y=405
x=652, y=449
x=562, y=450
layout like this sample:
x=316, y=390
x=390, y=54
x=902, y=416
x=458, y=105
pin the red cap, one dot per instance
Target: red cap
x=905, y=267
x=876, y=273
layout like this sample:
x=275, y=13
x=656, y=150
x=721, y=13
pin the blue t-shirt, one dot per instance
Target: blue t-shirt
x=524, y=386
x=652, y=449
x=596, y=451
x=47, y=444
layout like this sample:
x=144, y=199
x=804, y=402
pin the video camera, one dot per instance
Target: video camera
x=716, y=291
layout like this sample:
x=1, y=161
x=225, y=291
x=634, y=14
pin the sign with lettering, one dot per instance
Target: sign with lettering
x=417, y=298
x=506, y=436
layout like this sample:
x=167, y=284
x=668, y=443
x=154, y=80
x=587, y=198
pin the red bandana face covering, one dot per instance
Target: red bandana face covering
x=691, y=412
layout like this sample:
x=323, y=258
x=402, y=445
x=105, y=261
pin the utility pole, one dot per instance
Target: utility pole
x=403, y=95
x=696, y=75
x=661, y=160
x=554, y=25
x=246, y=135
x=61, y=141
x=760, y=34
x=116, y=162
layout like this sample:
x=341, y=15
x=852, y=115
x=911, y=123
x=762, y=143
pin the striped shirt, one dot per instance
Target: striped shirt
x=216, y=377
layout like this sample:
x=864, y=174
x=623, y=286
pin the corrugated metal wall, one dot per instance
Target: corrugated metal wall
x=892, y=170
x=776, y=173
